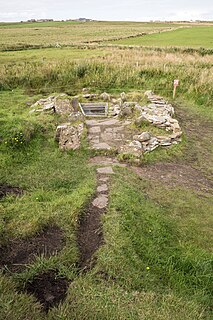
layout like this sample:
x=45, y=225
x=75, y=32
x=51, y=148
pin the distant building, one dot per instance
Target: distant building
x=44, y=20
x=83, y=20
x=40, y=20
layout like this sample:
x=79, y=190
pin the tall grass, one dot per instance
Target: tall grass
x=119, y=69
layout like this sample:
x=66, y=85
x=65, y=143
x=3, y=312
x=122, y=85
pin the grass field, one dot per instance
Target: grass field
x=53, y=33
x=194, y=37
x=156, y=261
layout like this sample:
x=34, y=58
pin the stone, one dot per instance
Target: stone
x=140, y=120
x=136, y=145
x=68, y=136
x=149, y=93
x=59, y=104
x=176, y=135
x=76, y=116
x=104, y=179
x=102, y=188
x=126, y=112
x=131, y=150
x=123, y=97
x=105, y=170
x=94, y=130
x=100, y=202
x=105, y=96
x=129, y=104
x=144, y=136
x=48, y=106
x=175, y=127
x=101, y=146
x=158, y=119
x=138, y=108
x=74, y=103
x=62, y=105
x=89, y=95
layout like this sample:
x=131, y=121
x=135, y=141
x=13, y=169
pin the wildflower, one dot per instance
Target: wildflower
x=147, y=268
x=5, y=142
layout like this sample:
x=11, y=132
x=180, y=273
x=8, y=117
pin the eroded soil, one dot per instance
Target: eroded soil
x=174, y=175
x=21, y=252
x=48, y=288
x=89, y=236
x=7, y=190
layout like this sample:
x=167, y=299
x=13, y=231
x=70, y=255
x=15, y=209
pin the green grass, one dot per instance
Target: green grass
x=156, y=262
x=194, y=37
x=48, y=34
x=47, y=55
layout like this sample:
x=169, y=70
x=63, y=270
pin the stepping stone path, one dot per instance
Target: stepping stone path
x=101, y=200
x=108, y=134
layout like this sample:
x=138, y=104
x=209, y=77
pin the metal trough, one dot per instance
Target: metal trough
x=97, y=109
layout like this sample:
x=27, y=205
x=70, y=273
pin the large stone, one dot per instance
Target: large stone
x=123, y=97
x=94, y=129
x=68, y=136
x=100, y=202
x=101, y=146
x=75, y=104
x=59, y=104
x=105, y=96
x=62, y=105
x=102, y=188
x=144, y=136
x=133, y=148
x=126, y=112
x=105, y=170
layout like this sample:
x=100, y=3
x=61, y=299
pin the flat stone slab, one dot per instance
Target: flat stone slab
x=105, y=170
x=101, y=160
x=100, y=202
x=104, y=179
x=102, y=188
x=95, y=129
x=101, y=146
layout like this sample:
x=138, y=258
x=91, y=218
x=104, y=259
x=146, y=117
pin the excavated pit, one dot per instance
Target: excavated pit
x=48, y=288
x=18, y=253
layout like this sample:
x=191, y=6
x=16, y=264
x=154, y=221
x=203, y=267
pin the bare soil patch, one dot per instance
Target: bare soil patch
x=21, y=252
x=6, y=190
x=89, y=236
x=48, y=288
x=173, y=174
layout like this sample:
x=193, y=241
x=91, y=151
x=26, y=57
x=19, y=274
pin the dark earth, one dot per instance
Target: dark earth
x=89, y=236
x=21, y=252
x=6, y=190
x=48, y=288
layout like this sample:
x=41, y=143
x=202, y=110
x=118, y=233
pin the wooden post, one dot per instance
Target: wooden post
x=176, y=84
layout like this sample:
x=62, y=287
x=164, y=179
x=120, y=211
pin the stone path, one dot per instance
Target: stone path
x=108, y=134
x=106, y=161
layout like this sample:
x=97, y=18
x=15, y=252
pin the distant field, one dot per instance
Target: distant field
x=36, y=24
x=48, y=55
x=19, y=35
x=184, y=37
